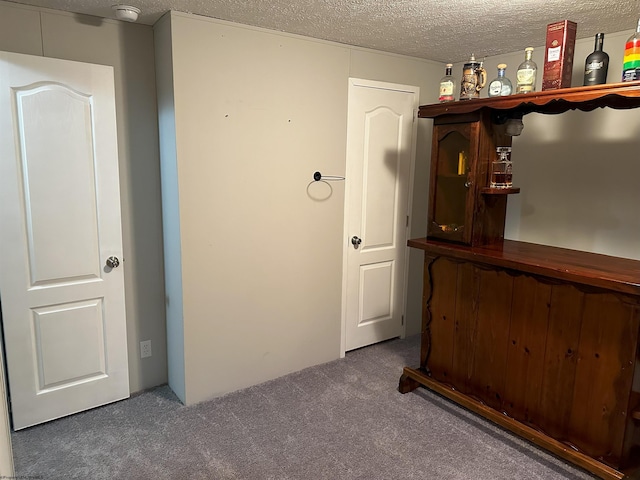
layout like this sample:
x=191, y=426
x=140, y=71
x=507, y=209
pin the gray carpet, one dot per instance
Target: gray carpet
x=341, y=420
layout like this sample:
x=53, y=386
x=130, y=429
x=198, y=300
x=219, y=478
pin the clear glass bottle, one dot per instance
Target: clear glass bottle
x=597, y=64
x=501, y=86
x=526, y=75
x=502, y=169
x=447, y=86
x=631, y=61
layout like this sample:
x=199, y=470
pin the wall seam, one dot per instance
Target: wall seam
x=41, y=34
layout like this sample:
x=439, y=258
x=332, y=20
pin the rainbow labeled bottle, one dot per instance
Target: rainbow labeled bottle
x=631, y=62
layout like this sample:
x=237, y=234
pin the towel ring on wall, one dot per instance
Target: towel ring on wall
x=317, y=176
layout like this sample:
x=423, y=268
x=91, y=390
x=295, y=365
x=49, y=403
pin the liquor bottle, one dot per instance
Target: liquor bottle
x=631, y=61
x=501, y=86
x=597, y=64
x=447, y=86
x=526, y=75
x=502, y=169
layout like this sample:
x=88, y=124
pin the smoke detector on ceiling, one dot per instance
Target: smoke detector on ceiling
x=126, y=12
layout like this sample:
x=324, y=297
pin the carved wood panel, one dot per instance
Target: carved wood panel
x=552, y=355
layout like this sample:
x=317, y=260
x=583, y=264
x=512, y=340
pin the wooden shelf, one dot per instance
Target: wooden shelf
x=453, y=175
x=612, y=95
x=499, y=191
x=592, y=269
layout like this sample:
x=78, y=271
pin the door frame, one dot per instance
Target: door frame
x=6, y=452
x=360, y=82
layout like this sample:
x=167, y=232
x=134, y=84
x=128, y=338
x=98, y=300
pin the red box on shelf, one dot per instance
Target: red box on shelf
x=558, y=55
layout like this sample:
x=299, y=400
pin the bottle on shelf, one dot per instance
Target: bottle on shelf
x=502, y=169
x=447, y=86
x=526, y=75
x=501, y=86
x=631, y=61
x=597, y=64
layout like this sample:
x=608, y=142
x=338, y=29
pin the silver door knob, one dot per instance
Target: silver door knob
x=355, y=241
x=113, y=262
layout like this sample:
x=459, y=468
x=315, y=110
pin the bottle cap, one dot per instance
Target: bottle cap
x=449, y=65
x=502, y=66
x=528, y=49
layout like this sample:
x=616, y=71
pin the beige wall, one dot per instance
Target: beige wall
x=578, y=171
x=256, y=113
x=129, y=49
x=170, y=208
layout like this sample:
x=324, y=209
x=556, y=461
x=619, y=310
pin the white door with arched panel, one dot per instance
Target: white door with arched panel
x=381, y=132
x=61, y=278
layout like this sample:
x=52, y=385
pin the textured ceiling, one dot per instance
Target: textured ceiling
x=441, y=30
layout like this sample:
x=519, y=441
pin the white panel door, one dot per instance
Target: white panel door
x=381, y=134
x=62, y=305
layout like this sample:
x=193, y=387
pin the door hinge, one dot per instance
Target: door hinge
x=402, y=320
x=407, y=224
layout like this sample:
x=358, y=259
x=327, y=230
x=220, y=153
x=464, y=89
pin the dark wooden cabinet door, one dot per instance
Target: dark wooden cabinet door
x=453, y=169
x=460, y=208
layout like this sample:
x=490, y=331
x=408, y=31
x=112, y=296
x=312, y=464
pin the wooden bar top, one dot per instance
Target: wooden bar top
x=592, y=269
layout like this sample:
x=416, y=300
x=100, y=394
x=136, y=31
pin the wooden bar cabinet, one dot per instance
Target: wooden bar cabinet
x=543, y=341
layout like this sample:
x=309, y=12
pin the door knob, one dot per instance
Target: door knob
x=355, y=241
x=113, y=262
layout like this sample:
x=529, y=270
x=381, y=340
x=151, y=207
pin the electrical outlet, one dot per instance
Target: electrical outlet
x=145, y=349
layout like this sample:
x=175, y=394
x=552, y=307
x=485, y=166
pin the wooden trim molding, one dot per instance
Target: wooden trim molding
x=414, y=378
x=612, y=95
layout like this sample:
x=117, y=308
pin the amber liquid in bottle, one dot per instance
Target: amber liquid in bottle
x=526, y=75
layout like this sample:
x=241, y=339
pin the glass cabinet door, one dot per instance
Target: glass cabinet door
x=451, y=182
